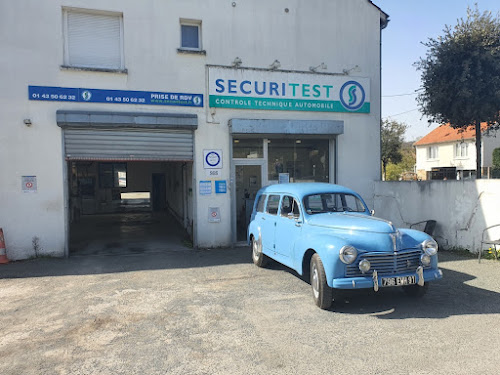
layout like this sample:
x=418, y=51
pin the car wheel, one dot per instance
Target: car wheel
x=415, y=290
x=259, y=259
x=322, y=293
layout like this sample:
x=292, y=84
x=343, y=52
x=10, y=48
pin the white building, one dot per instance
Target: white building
x=450, y=153
x=194, y=104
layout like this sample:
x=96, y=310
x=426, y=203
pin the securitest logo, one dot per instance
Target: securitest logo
x=86, y=95
x=352, y=95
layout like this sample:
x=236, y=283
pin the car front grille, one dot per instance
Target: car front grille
x=386, y=263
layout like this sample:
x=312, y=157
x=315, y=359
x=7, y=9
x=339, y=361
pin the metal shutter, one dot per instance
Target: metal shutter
x=128, y=144
x=94, y=40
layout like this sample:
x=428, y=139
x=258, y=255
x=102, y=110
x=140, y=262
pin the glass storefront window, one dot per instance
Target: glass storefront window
x=248, y=148
x=303, y=159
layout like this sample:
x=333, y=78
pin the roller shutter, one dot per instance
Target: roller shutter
x=130, y=144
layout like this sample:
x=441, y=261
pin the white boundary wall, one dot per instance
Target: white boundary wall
x=462, y=209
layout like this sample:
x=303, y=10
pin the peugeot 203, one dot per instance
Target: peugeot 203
x=327, y=232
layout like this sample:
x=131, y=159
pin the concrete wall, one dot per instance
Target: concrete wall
x=342, y=34
x=462, y=209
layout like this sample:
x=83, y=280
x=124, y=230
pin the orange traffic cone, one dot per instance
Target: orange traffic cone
x=3, y=250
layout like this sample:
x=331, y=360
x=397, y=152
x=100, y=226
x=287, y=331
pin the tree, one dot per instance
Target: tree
x=461, y=75
x=395, y=172
x=496, y=163
x=392, y=135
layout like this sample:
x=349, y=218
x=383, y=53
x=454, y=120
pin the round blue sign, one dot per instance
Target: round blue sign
x=212, y=159
x=352, y=95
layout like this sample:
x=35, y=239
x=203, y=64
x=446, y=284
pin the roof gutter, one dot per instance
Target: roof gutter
x=384, y=17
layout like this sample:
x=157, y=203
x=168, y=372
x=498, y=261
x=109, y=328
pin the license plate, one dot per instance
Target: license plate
x=398, y=281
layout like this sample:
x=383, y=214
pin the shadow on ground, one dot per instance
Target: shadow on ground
x=101, y=264
x=447, y=297
x=451, y=296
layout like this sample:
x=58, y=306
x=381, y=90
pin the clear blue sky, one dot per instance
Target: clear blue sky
x=413, y=22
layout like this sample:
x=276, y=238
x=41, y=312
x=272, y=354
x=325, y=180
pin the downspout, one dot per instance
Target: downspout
x=384, y=20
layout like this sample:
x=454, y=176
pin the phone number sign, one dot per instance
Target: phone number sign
x=69, y=94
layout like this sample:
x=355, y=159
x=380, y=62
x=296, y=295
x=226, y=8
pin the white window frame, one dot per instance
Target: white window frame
x=461, y=150
x=188, y=22
x=432, y=152
x=66, y=57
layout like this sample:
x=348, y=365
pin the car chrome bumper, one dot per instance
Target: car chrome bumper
x=368, y=282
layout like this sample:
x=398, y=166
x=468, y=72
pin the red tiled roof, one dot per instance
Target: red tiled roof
x=445, y=133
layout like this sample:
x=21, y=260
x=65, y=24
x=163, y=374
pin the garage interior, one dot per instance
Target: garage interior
x=129, y=207
x=129, y=181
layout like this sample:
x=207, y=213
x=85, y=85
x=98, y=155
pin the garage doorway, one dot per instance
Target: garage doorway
x=128, y=207
x=129, y=181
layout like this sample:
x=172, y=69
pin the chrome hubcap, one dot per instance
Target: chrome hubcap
x=315, y=281
x=255, y=251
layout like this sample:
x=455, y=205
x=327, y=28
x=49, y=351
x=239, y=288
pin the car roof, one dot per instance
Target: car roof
x=301, y=189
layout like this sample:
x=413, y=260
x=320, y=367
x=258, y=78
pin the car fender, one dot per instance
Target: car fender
x=253, y=230
x=327, y=247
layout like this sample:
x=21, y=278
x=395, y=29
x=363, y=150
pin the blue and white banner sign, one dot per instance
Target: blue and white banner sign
x=69, y=94
x=287, y=91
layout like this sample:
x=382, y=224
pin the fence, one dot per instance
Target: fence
x=462, y=209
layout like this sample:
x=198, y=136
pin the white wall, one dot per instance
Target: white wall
x=462, y=209
x=341, y=34
x=490, y=142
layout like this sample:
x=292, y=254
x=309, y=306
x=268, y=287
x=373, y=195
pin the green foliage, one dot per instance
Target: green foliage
x=496, y=158
x=392, y=135
x=407, y=163
x=461, y=72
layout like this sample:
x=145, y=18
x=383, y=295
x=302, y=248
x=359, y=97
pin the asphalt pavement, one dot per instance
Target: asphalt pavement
x=214, y=312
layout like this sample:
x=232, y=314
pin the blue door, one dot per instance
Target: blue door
x=288, y=229
x=268, y=223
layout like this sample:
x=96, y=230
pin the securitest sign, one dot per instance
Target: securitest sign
x=287, y=91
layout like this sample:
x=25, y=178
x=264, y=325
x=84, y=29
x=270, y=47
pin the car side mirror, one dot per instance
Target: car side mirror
x=372, y=212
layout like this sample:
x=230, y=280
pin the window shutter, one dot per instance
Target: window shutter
x=94, y=40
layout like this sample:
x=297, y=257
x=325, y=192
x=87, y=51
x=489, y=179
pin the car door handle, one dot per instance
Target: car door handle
x=263, y=218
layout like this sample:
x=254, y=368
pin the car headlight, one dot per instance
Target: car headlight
x=348, y=254
x=430, y=247
x=364, y=266
x=425, y=260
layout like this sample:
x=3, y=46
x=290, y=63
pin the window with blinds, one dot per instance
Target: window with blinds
x=93, y=39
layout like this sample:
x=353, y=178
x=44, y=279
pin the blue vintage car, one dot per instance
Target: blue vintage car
x=326, y=232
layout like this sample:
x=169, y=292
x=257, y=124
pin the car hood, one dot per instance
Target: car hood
x=352, y=222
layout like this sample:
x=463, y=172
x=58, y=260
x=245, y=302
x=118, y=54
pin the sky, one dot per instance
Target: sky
x=413, y=22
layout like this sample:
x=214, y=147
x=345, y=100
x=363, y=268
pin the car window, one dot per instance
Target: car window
x=286, y=206
x=260, y=203
x=333, y=202
x=289, y=205
x=273, y=204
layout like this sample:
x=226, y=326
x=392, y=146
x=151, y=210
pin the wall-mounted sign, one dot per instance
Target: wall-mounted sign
x=284, y=178
x=214, y=215
x=220, y=187
x=68, y=94
x=212, y=159
x=287, y=91
x=205, y=187
x=213, y=173
x=28, y=184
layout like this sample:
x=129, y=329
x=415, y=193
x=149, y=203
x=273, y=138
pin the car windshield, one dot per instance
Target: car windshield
x=333, y=202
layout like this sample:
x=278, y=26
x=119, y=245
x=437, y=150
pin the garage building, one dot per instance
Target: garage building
x=150, y=126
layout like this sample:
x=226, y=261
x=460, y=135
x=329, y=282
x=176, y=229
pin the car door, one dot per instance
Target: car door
x=268, y=223
x=288, y=228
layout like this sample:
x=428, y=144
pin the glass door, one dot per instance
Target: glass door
x=248, y=182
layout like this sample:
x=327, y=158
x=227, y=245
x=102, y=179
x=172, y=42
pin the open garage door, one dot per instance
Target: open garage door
x=129, y=178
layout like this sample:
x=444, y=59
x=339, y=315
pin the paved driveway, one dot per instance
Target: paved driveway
x=213, y=312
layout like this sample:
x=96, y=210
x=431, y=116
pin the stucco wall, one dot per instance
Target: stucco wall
x=462, y=209
x=343, y=34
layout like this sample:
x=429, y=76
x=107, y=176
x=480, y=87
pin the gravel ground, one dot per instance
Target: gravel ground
x=213, y=312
